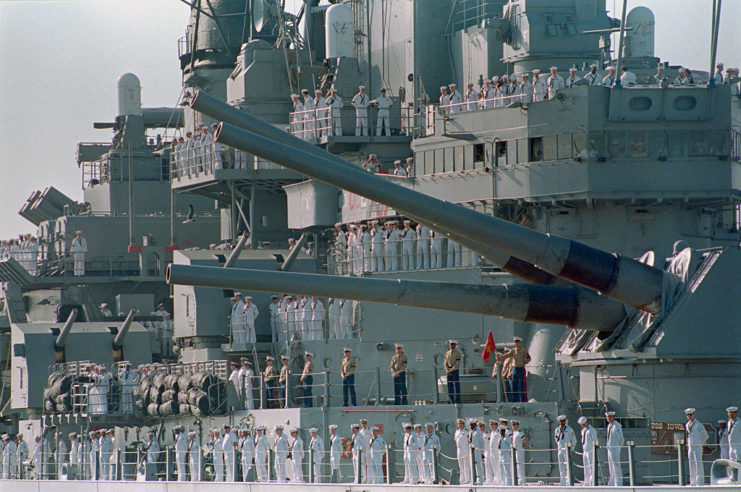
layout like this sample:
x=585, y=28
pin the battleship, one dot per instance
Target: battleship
x=595, y=223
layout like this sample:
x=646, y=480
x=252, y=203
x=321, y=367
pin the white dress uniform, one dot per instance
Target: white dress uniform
x=454, y=254
x=518, y=444
x=181, y=455
x=309, y=120
x=392, y=250
x=487, y=93
x=408, y=238
x=430, y=447
x=697, y=437
x=292, y=314
x=246, y=377
x=613, y=443
x=505, y=458
x=261, y=457
x=61, y=456
x=74, y=455
x=297, y=125
x=281, y=454
x=217, y=454
x=723, y=441
x=564, y=437
x=248, y=455
x=588, y=440
x=525, y=90
x=355, y=250
x=377, y=450
x=492, y=457
x=297, y=453
x=316, y=447
x=436, y=250
x=335, y=104
x=365, y=458
x=228, y=444
x=540, y=89
x=194, y=459
x=593, y=78
x=129, y=379
x=346, y=309
x=317, y=319
x=478, y=445
x=383, y=104
x=321, y=110
x=377, y=249
x=340, y=251
x=608, y=80
x=333, y=314
x=250, y=315
x=367, y=248
x=79, y=252
x=10, y=460
x=305, y=305
x=274, y=317
x=360, y=102
x=420, y=455
x=571, y=80
x=455, y=101
x=152, y=449
x=411, y=470
x=555, y=83
x=734, y=439
x=628, y=79
x=238, y=325
x=357, y=449
x=463, y=449
x=472, y=98
x=335, y=454
x=423, y=247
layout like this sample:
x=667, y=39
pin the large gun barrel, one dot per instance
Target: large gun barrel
x=617, y=277
x=124, y=330
x=64, y=332
x=521, y=302
x=221, y=111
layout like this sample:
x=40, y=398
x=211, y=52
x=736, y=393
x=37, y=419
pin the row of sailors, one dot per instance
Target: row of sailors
x=294, y=317
x=390, y=248
x=24, y=250
x=99, y=388
x=197, y=150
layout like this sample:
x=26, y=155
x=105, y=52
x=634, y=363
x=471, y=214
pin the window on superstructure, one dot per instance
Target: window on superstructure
x=536, y=149
x=500, y=154
x=479, y=155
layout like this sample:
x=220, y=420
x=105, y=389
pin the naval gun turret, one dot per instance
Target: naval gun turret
x=616, y=277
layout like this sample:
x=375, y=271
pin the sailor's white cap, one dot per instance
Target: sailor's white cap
x=517, y=339
x=294, y=429
x=452, y=85
x=178, y=427
x=78, y=232
x=91, y=433
x=689, y=410
x=279, y=426
x=383, y=89
x=150, y=431
x=246, y=362
x=332, y=89
x=284, y=357
x=71, y=434
x=406, y=425
x=451, y=342
x=732, y=409
x=406, y=221
x=493, y=421
x=417, y=425
x=613, y=69
x=487, y=81
x=313, y=429
x=248, y=297
x=103, y=304
x=536, y=70
x=192, y=434
x=227, y=426
x=375, y=428
x=269, y=357
x=503, y=421
x=473, y=420
x=561, y=417
x=495, y=78
x=274, y=296
x=525, y=75
x=610, y=413
x=397, y=162
x=260, y=427
x=554, y=67
x=238, y=294
x=410, y=158
x=470, y=83
x=346, y=349
x=505, y=76
x=721, y=421
x=338, y=224
x=429, y=424
x=361, y=87
x=572, y=69
x=363, y=421
x=582, y=420
x=460, y=421
x=355, y=426
x=332, y=426
x=317, y=91
x=398, y=345
x=304, y=91
x=513, y=421
x=306, y=352
x=5, y=437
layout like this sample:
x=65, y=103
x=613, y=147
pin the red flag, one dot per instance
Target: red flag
x=488, y=348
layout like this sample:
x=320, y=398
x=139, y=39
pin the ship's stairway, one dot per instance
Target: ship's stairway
x=12, y=271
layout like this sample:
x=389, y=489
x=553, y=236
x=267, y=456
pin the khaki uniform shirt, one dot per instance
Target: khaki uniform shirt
x=308, y=370
x=518, y=355
x=349, y=364
x=269, y=373
x=399, y=363
x=283, y=374
x=452, y=360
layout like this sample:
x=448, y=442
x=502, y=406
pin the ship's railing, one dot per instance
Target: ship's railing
x=193, y=159
x=315, y=124
x=401, y=254
x=94, y=266
x=494, y=102
x=396, y=462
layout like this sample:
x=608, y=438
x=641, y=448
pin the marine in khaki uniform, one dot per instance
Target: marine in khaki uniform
x=399, y=373
x=269, y=376
x=283, y=379
x=347, y=372
x=452, y=369
x=515, y=382
x=307, y=379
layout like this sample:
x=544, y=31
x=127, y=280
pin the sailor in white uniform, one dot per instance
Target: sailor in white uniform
x=592, y=77
x=335, y=453
x=377, y=247
x=430, y=447
x=194, y=456
x=321, y=110
x=250, y=313
x=360, y=102
x=229, y=445
x=79, y=253
x=472, y=98
x=384, y=104
x=733, y=430
x=614, y=444
x=588, y=441
x=540, y=88
x=572, y=78
x=377, y=451
x=247, y=448
x=492, y=454
x=519, y=441
x=408, y=238
x=282, y=449
x=463, y=450
x=555, y=83
x=316, y=448
x=565, y=442
x=297, y=454
x=456, y=99
x=504, y=446
x=478, y=446
x=334, y=102
x=181, y=452
x=309, y=117
x=609, y=79
x=697, y=437
x=261, y=453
